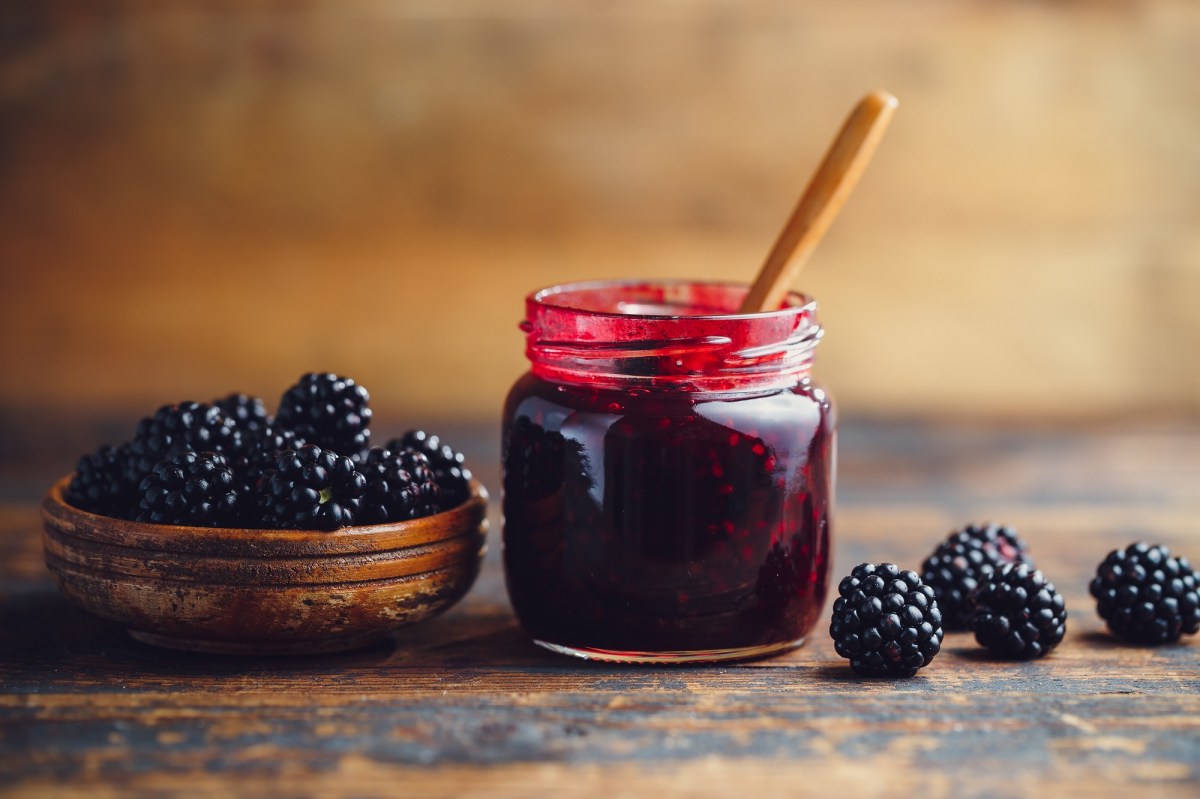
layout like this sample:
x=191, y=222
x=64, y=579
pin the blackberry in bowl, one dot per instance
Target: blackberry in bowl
x=263, y=544
x=328, y=410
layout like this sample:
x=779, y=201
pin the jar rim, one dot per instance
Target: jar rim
x=795, y=301
x=622, y=333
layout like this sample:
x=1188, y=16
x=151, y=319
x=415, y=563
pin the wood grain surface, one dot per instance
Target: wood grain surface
x=466, y=706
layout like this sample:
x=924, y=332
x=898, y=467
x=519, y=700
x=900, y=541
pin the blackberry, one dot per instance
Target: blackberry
x=400, y=485
x=886, y=621
x=262, y=450
x=1018, y=614
x=249, y=413
x=449, y=468
x=311, y=488
x=964, y=560
x=174, y=429
x=778, y=580
x=1147, y=596
x=257, y=458
x=192, y=488
x=329, y=411
x=102, y=484
x=533, y=460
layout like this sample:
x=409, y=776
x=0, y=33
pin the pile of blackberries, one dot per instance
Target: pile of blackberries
x=230, y=463
x=889, y=622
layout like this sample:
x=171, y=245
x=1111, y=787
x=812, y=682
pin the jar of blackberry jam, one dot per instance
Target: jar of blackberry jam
x=668, y=473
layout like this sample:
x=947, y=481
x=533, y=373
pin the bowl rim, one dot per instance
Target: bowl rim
x=79, y=523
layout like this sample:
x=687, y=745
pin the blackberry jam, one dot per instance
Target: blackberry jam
x=668, y=473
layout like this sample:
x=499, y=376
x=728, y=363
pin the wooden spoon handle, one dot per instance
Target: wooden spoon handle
x=833, y=181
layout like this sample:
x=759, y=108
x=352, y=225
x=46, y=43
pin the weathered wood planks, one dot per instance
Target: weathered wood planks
x=465, y=706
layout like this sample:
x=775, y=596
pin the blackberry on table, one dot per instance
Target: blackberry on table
x=102, y=483
x=1146, y=595
x=328, y=411
x=400, y=485
x=1018, y=614
x=191, y=488
x=886, y=622
x=311, y=488
x=449, y=465
x=178, y=428
x=963, y=561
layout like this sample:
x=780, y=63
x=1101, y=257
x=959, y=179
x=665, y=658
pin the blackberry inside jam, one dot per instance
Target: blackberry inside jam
x=666, y=520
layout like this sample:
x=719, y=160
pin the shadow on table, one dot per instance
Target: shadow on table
x=46, y=642
x=839, y=675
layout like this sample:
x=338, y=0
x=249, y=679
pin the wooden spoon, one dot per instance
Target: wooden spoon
x=828, y=188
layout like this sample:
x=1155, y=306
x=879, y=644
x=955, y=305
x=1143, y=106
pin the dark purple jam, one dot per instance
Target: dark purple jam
x=667, y=473
x=666, y=520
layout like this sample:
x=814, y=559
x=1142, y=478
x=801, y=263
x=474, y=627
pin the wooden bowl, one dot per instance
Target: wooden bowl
x=212, y=589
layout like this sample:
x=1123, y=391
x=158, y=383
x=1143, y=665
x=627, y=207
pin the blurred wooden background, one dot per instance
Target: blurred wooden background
x=204, y=198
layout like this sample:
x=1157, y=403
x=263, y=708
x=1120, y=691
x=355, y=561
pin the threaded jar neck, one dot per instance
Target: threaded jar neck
x=681, y=335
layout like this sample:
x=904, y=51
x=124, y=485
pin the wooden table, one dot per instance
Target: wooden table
x=465, y=706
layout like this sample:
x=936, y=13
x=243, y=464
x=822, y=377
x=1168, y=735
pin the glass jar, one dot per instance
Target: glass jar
x=668, y=473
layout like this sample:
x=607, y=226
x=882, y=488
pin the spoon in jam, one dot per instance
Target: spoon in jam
x=827, y=190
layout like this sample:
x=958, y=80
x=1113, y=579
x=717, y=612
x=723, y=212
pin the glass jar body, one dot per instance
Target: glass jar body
x=652, y=521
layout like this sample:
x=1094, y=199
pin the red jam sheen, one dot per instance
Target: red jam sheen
x=667, y=474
